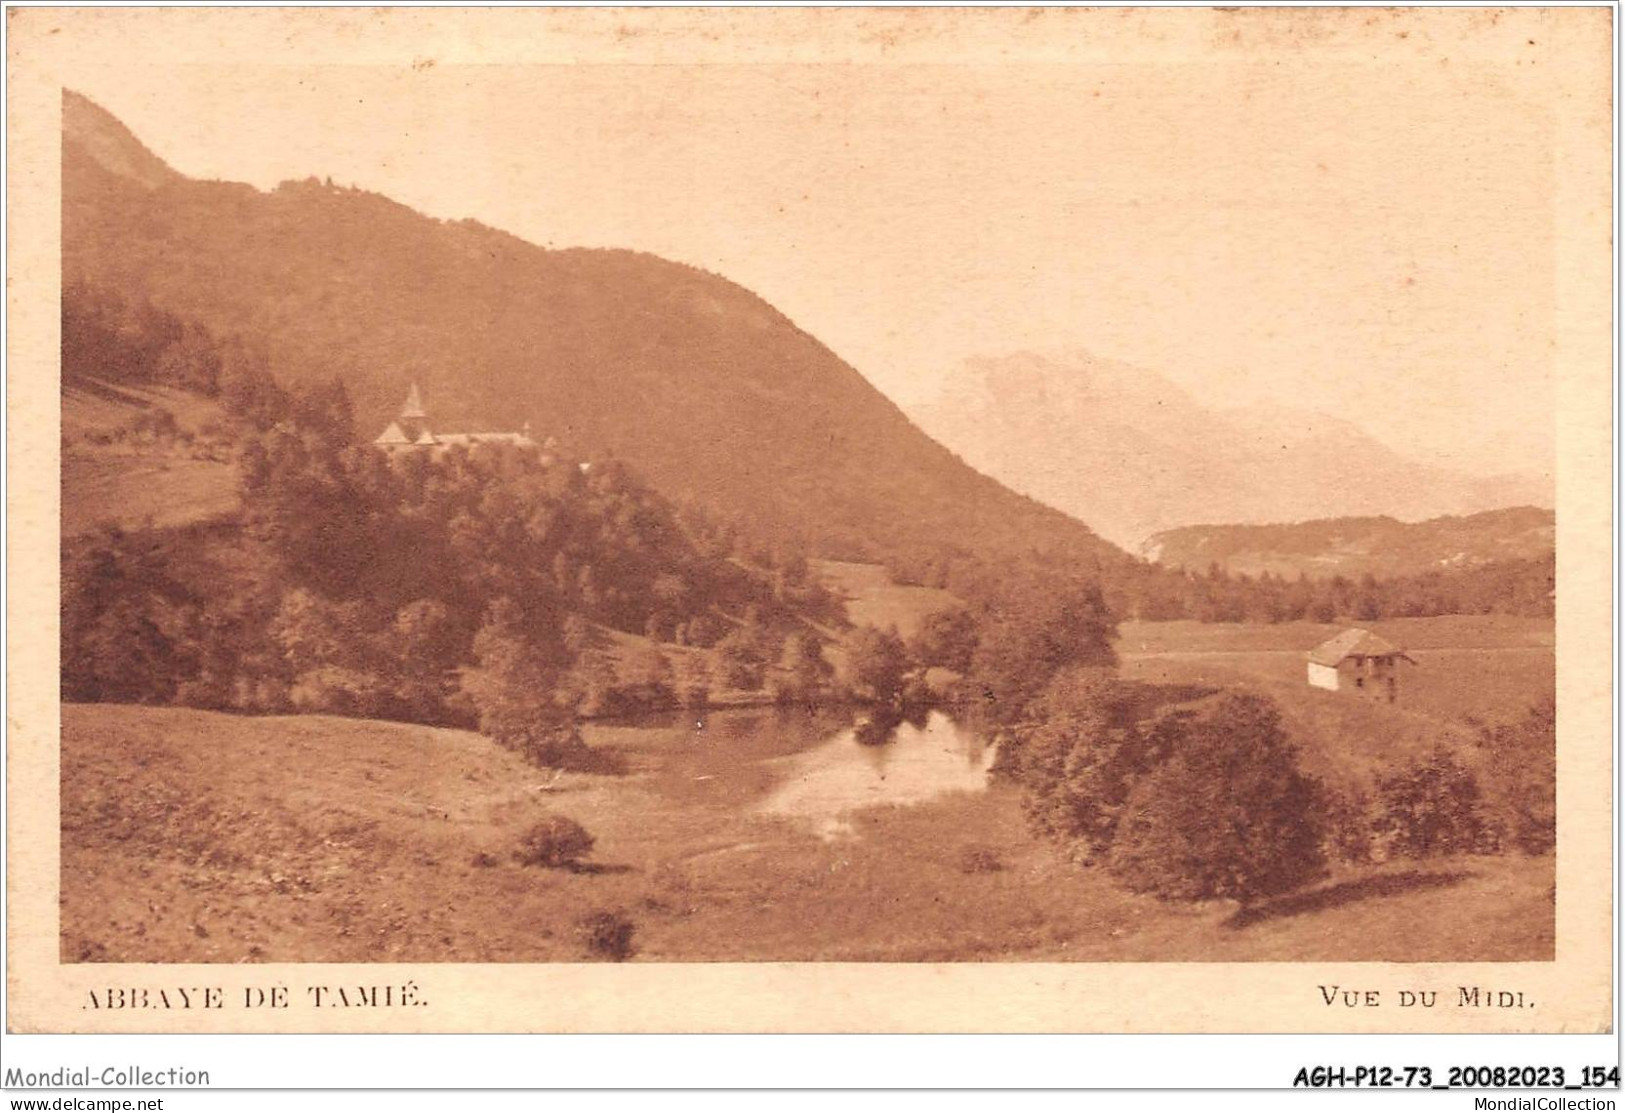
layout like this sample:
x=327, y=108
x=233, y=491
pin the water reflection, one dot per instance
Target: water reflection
x=818, y=765
x=914, y=762
x=722, y=758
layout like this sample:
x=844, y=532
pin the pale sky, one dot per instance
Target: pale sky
x=1372, y=241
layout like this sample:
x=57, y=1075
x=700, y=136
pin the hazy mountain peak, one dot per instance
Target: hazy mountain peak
x=1065, y=375
x=1134, y=454
x=107, y=142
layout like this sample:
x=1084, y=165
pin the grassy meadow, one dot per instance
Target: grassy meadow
x=1469, y=669
x=110, y=476
x=872, y=599
x=197, y=837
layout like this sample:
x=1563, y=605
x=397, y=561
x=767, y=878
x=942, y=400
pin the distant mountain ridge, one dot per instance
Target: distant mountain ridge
x=1358, y=546
x=1134, y=455
x=710, y=393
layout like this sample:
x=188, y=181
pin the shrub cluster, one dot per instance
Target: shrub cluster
x=1206, y=799
x=1430, y=808
x=1193, y=801
x=555, y=842
x=607, y=935
x=1499, y=795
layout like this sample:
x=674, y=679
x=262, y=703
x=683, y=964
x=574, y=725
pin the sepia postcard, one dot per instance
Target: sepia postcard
x=810, y=520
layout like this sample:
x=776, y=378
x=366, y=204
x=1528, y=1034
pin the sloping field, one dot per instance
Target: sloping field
x=1485, y=668
x=1490, y=631
x=138, y=490
x=872, y=599
x=195, y=837
x=139, y=481
x=93, y=406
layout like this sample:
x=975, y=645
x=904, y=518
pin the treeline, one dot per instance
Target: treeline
x=1520, y=587
x=107, y=339
x=1144, y=591
x=361, y=585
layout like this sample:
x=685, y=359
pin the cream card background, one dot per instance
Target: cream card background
x=1558, y=59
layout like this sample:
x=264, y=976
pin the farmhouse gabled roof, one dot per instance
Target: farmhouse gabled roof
x=393, y=435
x=1354, y=642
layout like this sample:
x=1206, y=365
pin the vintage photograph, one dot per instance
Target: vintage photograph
x=1025, y=509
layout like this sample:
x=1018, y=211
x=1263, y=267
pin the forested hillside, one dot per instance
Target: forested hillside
x=1359, y=546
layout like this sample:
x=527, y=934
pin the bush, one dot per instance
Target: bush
x=1431, y=808
x=552, y=745
x=1520, y=760
x=336, y=690
x=802, y=675
x=554, y=841
x=739, y=662
x=1227, y=815
x=607, y=935
x=946, y=639
x=1348, y=826
x=1080, y=756
x=876, y=664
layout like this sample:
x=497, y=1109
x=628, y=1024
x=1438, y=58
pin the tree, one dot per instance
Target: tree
x=739, y=661
x=424, y=648
x=693, y=681
x=326, y=411
x=1228, y=814
x=578, y=634
x=1034, y=631
x=645, y=681
x=1431, y=807
x=248, y=391
x=876, y=664
x=313, y=632
x=590, y=684
x=1080, y=757
x=330, y=656
x=1521, y=761
x=946, y=639
x=191, y=362
x=124, y=619
x=513, y=686
x=803, y=673
x=121, y=655
x=704, y=630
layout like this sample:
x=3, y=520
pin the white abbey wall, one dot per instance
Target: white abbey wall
x=1322, y=676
